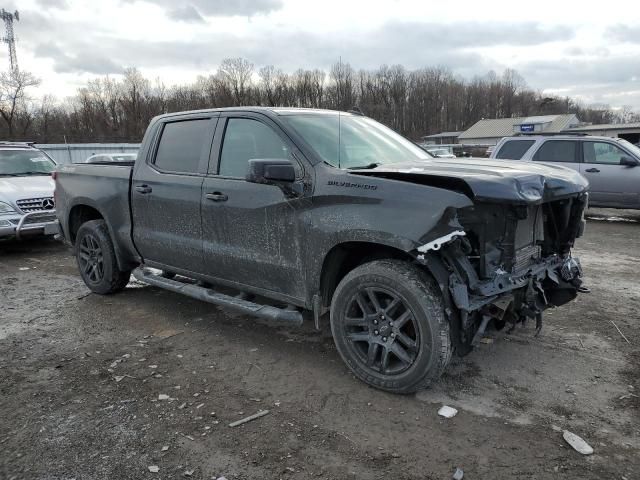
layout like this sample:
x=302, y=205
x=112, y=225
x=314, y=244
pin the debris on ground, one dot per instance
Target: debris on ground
x=167, y=333
x=237, y=423
x=458, y=474
x=620, y=332
x=153, y=468
x=188, y=473
x=164, y=448
x=163, y=396
x=578, y=444
x=447, y=412
x=486, y=340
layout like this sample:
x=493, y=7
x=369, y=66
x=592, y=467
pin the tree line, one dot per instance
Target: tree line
x=413, y=102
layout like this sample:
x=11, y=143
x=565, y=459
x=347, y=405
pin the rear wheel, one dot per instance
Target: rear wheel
x=96, y=259
x=389, y=326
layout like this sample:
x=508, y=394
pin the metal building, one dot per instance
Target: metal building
x=444, y=138
x=79, y=152
x=628, y=131
x=490, y=131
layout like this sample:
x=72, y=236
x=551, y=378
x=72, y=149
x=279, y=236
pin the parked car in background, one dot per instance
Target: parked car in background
x=440, y=152
x=112, y=158
x=611, y=165
x=328, y=212
x=26, y=192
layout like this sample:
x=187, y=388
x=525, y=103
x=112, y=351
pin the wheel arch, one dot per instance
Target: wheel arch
x=344, y=257
x=79, y=214
x=85, y=210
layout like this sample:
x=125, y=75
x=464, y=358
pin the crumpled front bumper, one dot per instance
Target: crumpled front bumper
x=42, y=222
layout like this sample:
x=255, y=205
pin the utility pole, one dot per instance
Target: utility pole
x=10, y=38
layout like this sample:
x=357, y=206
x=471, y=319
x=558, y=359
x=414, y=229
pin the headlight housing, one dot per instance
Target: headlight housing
x=6, y=209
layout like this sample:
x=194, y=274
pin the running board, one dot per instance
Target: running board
x=292, y=317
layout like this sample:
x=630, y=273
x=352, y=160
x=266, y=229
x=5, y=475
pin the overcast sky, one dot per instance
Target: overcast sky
x=586, y=52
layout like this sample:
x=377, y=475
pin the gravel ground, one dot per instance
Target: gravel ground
x=103, y=387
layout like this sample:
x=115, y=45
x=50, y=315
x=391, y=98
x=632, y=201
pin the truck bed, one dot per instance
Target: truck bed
x=106, y=188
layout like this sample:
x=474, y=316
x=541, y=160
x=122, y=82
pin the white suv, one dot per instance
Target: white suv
x=26, y=192
x=612, y=165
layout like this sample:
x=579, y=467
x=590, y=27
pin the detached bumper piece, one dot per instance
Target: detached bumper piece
x=268, y=312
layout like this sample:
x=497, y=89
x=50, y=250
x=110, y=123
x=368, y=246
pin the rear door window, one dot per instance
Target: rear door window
x=182, y=145
x=561, y=151
x=602, y=152
x=514, y=149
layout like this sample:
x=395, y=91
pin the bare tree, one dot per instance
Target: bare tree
x=415, y=103
x=236, y=72
x=13, y=95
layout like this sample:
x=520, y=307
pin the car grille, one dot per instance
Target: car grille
x=28, y=205
x=44, y=217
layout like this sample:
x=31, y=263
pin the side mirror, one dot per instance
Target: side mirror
x=270, y=171
x=629, y=161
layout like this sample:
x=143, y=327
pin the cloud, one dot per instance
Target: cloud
x=466, y=48
x=225, y=8
x=186, y=13
x=411, y=44
x=62, y=4
x=624, y=33
x=587, y=71
x=86, y=61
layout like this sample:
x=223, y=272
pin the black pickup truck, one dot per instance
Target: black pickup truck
x=290, y=214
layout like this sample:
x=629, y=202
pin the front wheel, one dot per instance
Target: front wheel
x=96, y=259
x=389, y=326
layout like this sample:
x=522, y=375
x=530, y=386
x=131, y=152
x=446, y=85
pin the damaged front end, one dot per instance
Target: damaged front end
x=504, y=263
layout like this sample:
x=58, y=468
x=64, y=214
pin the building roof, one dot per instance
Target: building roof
x=606, y=126
x=443, y=135
x=503, y=127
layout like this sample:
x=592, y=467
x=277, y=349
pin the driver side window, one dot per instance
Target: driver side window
x=603, y=153
x=246, y=139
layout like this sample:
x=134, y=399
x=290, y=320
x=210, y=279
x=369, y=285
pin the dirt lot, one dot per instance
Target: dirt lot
x=81, y=375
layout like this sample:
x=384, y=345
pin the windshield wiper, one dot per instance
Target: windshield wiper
x=9, y=175
x=365, y=167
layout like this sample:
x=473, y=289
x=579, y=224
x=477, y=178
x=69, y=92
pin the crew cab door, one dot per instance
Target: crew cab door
x=166, y=192
x=251, y=232
x=610, y=182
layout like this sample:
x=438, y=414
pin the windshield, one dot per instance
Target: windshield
x=348, y=141
x=24, y=162
x=631, y=147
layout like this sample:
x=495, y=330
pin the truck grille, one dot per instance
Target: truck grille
x=525, y=257
x=28, y=205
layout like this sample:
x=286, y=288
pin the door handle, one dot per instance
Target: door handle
x=217, y=197
x=592, y=170
x=143, y=189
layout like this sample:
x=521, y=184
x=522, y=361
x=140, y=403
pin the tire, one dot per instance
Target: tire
x=96, y=259
x=405, y=344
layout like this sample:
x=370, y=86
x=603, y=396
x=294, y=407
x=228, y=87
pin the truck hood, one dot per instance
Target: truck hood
x=16, y=188
x=487, y=179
